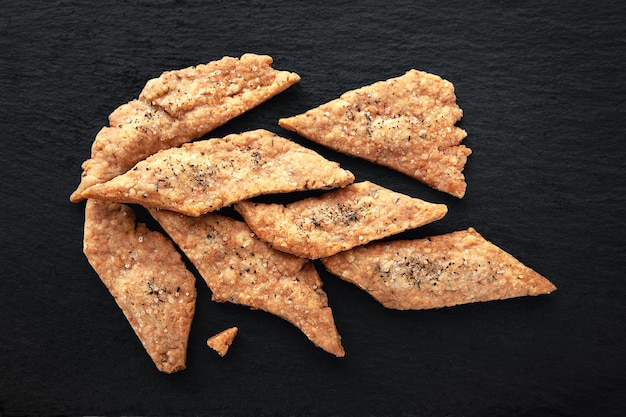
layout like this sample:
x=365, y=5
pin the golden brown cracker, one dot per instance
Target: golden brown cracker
x=405, y=123
x=146, y=276
x=338, y=220
x=221, y=342
x=206, y=175
x=136, y=131
x=240, y=268
x=178, y=107
x=439, y=271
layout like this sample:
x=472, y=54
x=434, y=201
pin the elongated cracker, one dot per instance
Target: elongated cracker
x=206, y=175
x=221, y=342
x=240, y=268
x=405, y=123
x=440, y=271
x=321, y=226
x=178, y=107
x=146, y=276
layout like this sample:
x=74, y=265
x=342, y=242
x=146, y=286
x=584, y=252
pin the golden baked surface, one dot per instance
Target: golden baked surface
x=145, y=157
x=146, y=276
x=338, y=220
x=440, y=271
x=222, y=341
x=206, y=175
x=405, y=123
x=178, y=107
x=240, y=268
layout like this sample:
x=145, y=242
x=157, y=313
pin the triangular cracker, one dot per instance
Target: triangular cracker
x=439, y=271
x=146, y=276
x=222, y=341
x=206, y=175
x=405, y=123
x=240, y=268
x=178, y=107
x=338, y=220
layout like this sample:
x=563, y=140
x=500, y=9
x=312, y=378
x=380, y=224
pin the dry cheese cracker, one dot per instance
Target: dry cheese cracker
x=405, y=123
x=321, y=226
x=221, y=342
x=440, y=271
x=240, y=268
x=178, y=107
x=146, y=276
x=206, y=175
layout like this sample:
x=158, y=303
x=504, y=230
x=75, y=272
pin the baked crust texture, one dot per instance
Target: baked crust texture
x=405, y=123
x=221, y=341
x=147, y=278
x=240, y=268
x=207, y=175
x=178, y=107
x=338, y=220
x=440, y=271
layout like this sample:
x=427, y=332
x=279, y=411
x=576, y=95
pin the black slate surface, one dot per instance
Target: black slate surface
x=544, y=98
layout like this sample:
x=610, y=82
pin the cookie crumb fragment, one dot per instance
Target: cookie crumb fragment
x=222, y=341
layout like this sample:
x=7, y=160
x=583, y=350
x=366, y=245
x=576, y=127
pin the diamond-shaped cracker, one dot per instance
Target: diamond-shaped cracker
x=338, y=220
x=440, y=271
x=146, y=276
x=178, y=107
x=206, y=175
x=405, y=123
x=240, y=268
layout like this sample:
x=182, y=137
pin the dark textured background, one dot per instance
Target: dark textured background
x=543, y=91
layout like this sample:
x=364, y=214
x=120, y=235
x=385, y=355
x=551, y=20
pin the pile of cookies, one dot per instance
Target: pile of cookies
x=153, y=154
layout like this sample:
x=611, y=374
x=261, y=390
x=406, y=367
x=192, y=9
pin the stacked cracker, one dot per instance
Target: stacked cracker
x=264, y=262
